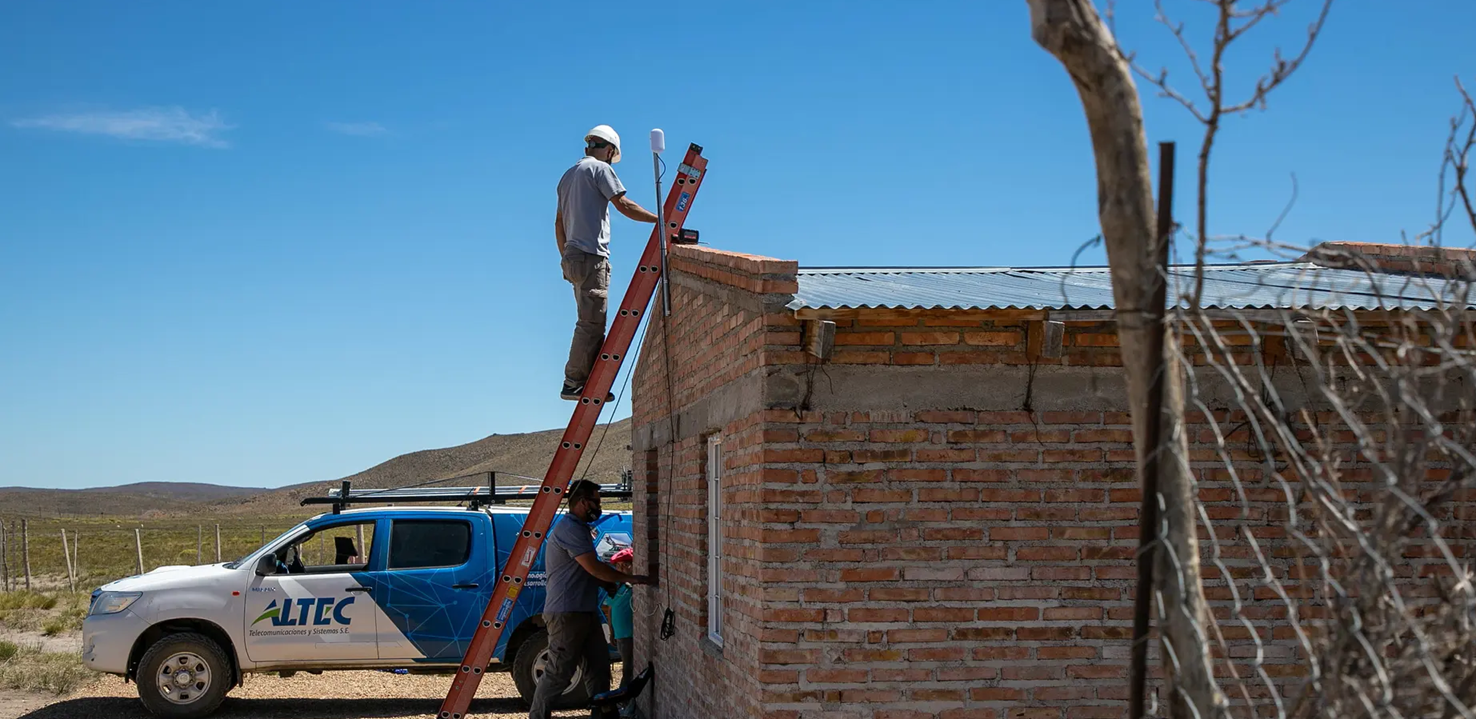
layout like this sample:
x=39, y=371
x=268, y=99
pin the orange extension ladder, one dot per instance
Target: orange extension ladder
x=566, y=459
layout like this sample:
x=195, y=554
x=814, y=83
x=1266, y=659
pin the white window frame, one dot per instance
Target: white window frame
x=715, y=539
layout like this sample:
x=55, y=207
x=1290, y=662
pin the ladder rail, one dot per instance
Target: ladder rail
x=613, y=352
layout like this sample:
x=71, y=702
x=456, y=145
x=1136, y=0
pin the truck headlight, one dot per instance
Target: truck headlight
x=114, y=602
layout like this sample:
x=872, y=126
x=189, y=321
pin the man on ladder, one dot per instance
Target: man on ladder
x=582, y=230
x=571, y=611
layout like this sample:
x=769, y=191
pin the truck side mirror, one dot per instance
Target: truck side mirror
x=267, y=565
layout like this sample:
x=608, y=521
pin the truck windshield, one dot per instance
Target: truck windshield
x=252, y=556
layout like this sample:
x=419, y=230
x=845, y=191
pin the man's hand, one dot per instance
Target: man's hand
x=629, y=208
x=642, y=579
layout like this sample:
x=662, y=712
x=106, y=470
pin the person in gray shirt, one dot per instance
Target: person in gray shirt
x=582, y=230
x=571, y=607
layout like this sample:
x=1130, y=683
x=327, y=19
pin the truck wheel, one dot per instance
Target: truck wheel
x=183, y=676
x=527, y=669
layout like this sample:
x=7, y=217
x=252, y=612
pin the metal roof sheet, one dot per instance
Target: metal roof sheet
x=1283, y=285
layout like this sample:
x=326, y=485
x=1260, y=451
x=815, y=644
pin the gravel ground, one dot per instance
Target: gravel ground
x=331, y=695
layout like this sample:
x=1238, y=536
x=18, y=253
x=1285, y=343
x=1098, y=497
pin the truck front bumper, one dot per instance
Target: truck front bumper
x=107, y=639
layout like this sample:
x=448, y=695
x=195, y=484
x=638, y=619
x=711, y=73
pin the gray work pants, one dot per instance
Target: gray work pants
x=590, y=276
x=572, y=636
x=627, y=658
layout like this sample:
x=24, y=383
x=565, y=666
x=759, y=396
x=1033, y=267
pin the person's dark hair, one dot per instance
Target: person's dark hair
x=582, y=489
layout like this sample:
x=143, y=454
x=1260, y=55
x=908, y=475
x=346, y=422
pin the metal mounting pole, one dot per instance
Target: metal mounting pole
x=658, y=143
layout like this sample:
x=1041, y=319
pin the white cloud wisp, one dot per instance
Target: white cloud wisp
x=161, y=124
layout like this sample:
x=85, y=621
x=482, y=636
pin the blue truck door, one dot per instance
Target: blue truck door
x=433, y=585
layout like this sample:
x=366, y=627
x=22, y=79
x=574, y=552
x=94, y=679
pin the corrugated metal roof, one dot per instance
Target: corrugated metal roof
x=1245, y=286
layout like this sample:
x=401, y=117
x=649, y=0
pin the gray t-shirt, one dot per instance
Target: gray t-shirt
x=585, y=192
x=570, y=587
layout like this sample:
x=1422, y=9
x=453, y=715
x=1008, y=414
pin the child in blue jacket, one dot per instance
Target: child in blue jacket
x=620, y=619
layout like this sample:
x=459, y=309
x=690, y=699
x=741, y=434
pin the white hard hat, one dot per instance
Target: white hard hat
x=606, y=133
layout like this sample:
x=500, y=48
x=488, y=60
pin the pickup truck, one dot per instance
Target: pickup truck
x=387, y=588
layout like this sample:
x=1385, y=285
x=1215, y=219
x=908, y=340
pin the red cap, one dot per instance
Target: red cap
x=624, y=555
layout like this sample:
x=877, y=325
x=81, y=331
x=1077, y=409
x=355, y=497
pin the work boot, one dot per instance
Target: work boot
x=573, y=392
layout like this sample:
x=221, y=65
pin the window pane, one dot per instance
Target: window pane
x=429, y=543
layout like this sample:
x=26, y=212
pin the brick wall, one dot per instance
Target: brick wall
x=933, y=522
x=717, y=333
x=1403, y=259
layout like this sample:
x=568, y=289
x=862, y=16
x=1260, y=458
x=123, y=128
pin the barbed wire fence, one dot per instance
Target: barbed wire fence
x=35, y=555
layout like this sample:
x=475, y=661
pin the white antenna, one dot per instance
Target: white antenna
x=658, y=146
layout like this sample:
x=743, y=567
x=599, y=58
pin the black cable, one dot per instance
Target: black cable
x=628, y=374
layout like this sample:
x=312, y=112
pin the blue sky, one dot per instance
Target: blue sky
x=279, y=242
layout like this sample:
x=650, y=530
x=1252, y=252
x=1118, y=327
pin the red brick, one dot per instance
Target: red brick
x=835, y=435
x=964, y=474
x=1001, y=654
x=794, y=615
x=1107, y=514
x=1062, y=573
x=1071, y=417
x=916, y=636
x=790, y=536
x=997, y=418
x=868, y=536
x=1030, y=672
x=1009, y=495
x=965, y=674
x=789, y=656
x=817, y=594
x=934, y=494
x=913, y=358
x=1008, y=455
x=929, y=338
x=942, y=614
x=899, y=435
x=1054, y=436
x=996, y=694
x=983, y=634
x=1009, y=614
x=973, y=514
x=864, y=338
x=1091, y=593
x=947, y=416
x=961, y=436
x=979, y=552
x=854, y=477
x=855, y=357
x=793, y=455
x=1118, y=553
x=1053, y=614
x=1099, y=671
x=856, y=655
x=964, y=594
x=887, y=674
x=992, y=339
x=882, y=455
x=937, y=695
x=1106, y=632
x=912, y=554
x=937, y=654
x=829, y=516
x=1061, y=694
x=1045, y=634
x=1103, y=435
x=873, y=614
x=898, y=594
x=1082, y=533
x=869, y=574
x=1071, y=455
x=835, y=676
x=1066, y=652
x=918, y=475
x=1017, y=534
x=952, y=533
x=969, y=713
x=1046, y=554
x=1046, y=475
x=944, y=455
x=881, y=495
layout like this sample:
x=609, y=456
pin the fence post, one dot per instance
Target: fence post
x=363, y=556
x=26, y=549
x=139, y=544
x=217, y=544
x=4, y=556
x=263, y=535
x=77, y=553
x=67, y=555
x=199, y=544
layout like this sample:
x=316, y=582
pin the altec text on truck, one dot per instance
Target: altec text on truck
x=389, y=587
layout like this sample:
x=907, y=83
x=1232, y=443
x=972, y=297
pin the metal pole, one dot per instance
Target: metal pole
x=138, y=543
x=661, y=228
x=1148, y=511
x=217, y=544
x=363, y=555
x=26, y=549
x=67, y=555
x=77, y=552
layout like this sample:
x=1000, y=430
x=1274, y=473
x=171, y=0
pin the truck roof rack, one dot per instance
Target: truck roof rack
x=474, y=497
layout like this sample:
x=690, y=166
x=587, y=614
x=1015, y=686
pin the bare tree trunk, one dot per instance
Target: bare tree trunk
x=138, y=544
x=67, y=555
x=77, y=553
x=1072, y=32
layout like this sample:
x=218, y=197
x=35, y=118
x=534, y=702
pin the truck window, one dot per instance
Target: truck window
x=425, y=543
x=328, y=550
